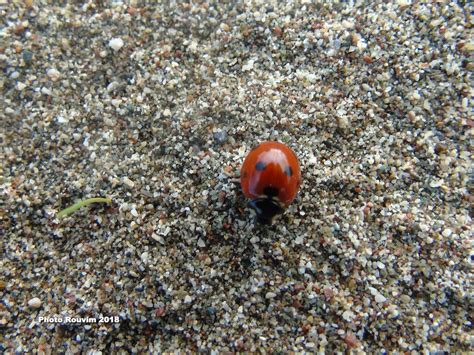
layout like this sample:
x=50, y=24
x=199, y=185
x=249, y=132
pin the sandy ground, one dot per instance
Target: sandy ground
x=156, y=107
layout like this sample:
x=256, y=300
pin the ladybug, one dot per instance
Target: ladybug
x=270, y=177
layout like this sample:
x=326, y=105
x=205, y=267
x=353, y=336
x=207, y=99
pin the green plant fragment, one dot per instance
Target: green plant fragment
x=67, y=211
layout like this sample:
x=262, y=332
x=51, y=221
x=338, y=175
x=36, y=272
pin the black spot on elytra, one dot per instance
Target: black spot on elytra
x=289, y=171
x=244, y=175
x=260, y=166
x=270, y=191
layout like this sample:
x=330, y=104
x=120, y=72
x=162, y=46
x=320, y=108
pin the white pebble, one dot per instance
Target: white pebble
x=34, y=303
x=437, y=183
x=299, y=240
x=128, y=182
x=312, y=160
x=46, y=91
x=109, y=122
x=62, y=119
x=348, y=315
x=201, y=243
x=379, y=298
x=116, y=102
x=447, y=232
x=116, y=43
x=270, y=295
x=53, y=74
x=193, y=46
x=347, y=24
x=158, y=238
x=424, y=227
x=403, y=2
x=254, y=240
x=188, y=299
x=426, y=105
x=248, y=66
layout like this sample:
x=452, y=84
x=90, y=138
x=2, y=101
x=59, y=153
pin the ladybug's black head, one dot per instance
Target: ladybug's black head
x=266, y=209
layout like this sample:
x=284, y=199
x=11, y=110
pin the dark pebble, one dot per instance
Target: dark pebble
x=220, y=137
x=27, y=56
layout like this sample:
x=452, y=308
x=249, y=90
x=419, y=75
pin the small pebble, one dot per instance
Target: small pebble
x=27, y=57
x=53, y=74
x=380, y=298
x=128, y=182
x=351, y=340
x=116, y=44
x=220, y=137
x=201, y=243
x=34, y=303
x=447, y=232
x=405, y=298
x=270, y=295
x=248, y=66
x=116, y=102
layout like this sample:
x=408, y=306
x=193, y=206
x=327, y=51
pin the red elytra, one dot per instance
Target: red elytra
x=270, y=177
